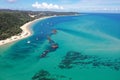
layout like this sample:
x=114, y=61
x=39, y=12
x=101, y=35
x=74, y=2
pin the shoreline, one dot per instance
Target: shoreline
x=26, y=32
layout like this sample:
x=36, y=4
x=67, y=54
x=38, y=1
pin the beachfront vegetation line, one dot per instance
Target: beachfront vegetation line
x=10, y=23
x=12, y=20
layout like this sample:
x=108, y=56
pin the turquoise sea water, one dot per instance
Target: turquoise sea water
x=89, y=49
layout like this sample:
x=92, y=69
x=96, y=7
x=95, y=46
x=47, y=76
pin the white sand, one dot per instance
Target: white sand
x=26, y=32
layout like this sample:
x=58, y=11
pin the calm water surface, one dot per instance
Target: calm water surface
x=89, y=49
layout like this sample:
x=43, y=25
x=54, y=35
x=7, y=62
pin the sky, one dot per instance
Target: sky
x=63, y=5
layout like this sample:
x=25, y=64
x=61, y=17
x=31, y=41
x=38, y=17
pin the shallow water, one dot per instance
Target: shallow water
x=89, y=49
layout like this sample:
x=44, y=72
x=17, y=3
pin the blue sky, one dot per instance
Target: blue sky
x=63, y=5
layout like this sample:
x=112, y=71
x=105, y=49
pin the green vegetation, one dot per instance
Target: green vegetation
x=11, y=20
x=10, y=23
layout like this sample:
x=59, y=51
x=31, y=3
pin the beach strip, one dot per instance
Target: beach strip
x=26, y=32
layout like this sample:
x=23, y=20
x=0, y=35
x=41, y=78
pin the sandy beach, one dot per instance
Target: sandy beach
x=26, y=32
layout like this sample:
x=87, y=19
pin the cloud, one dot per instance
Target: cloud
x=45, y=5
x=94, y=5
x=11, y=1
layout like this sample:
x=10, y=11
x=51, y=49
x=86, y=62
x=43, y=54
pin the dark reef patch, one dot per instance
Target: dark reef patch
x=45, y=75
x=42, y=75
x=73, y=58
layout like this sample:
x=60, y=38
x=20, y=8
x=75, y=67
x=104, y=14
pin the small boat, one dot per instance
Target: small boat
x=28, y=42
x=36, y=38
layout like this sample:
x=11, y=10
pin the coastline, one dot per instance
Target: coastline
x=26, y=32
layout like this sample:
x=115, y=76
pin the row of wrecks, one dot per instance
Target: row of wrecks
x=73, y=58
x=52, y=45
